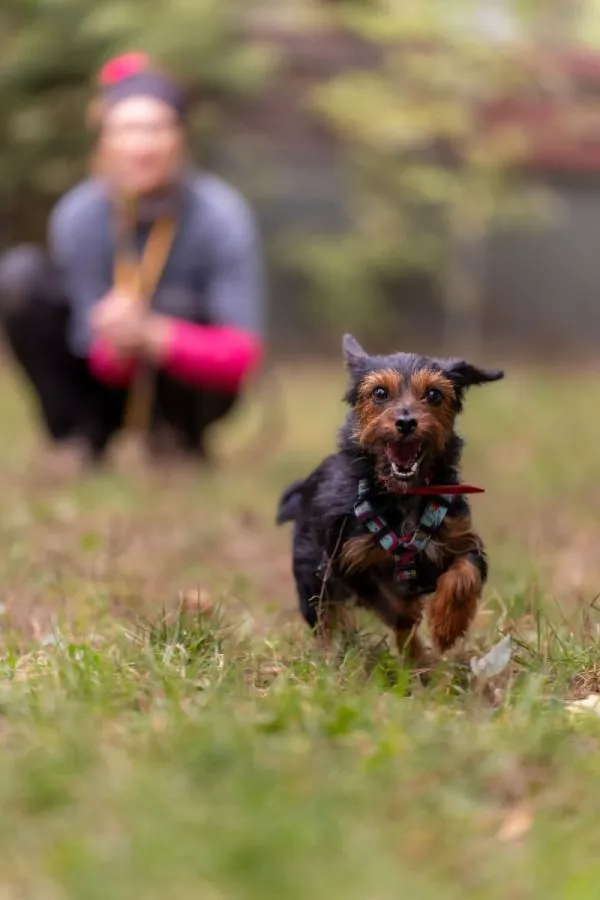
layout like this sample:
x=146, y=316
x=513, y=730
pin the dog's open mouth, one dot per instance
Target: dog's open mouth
x=405, y=458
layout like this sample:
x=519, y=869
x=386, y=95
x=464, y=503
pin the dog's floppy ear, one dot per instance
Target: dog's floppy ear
x=353, y=352
x=465, y=375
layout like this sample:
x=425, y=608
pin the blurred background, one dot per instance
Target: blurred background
x=434, y=168
x=427, y=175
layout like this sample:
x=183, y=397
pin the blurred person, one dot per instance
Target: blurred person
x=148, y=307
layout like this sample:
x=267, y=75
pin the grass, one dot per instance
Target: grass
x=150, y=747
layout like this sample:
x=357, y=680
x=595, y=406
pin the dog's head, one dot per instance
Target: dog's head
x=404, y=407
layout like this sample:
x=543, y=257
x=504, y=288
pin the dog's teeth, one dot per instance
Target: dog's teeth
x=405, y=473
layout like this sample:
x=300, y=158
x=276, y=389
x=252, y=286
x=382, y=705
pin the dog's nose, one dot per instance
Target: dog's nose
x=406, y=424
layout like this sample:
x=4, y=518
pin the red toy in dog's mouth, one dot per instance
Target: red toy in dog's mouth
x=405, y=457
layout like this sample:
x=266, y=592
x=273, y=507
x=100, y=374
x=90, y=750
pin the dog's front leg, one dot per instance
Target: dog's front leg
x=454, y=604
x=403, y=618
x=410, y=646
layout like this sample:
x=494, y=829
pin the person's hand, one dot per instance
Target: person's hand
x=155, y=337
x=119, y=321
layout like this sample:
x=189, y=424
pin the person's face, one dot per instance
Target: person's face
x=142, y=144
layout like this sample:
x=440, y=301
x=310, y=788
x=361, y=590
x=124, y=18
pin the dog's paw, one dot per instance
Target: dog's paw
x=454, y=604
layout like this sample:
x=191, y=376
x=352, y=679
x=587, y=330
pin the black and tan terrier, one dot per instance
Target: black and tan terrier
x=384, y=521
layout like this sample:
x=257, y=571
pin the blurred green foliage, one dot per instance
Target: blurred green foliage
x=52, y=50
x=422, y=182
x=425, y=180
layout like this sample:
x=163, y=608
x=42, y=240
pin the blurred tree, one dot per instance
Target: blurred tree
x=425, y=180
x=52, y=50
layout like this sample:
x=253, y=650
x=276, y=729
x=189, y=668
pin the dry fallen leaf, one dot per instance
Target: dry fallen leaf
x=516, y=824
x=270, y=670
x=590, y=704
x=495, y=661
x=197, y=600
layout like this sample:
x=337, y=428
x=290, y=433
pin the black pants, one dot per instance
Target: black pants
x=34, y=312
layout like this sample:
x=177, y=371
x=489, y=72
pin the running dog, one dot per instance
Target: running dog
x=384, y=521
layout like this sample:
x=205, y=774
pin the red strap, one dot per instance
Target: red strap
x=438, y=490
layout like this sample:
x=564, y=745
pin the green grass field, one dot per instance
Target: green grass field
x=150, y=753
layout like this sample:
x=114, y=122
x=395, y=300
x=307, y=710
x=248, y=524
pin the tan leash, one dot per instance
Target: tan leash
x=139, y=278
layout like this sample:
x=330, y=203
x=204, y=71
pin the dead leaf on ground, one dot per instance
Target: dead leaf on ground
x=495, y=661
x=197, y=600
x=516, y=824
x=590, y=705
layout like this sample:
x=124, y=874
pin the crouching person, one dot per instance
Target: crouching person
x=147, y=309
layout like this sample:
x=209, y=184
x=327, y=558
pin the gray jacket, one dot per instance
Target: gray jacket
x=214, y=274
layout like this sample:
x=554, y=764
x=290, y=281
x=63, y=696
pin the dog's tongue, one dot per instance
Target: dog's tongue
x=404, y=453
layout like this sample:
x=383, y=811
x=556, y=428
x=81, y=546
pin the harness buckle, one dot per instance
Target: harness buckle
x=403, y=549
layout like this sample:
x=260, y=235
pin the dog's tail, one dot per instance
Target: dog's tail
x=289, y=503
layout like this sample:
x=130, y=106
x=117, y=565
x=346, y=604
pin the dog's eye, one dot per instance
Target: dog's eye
x=380, y=394
x=434, y=396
